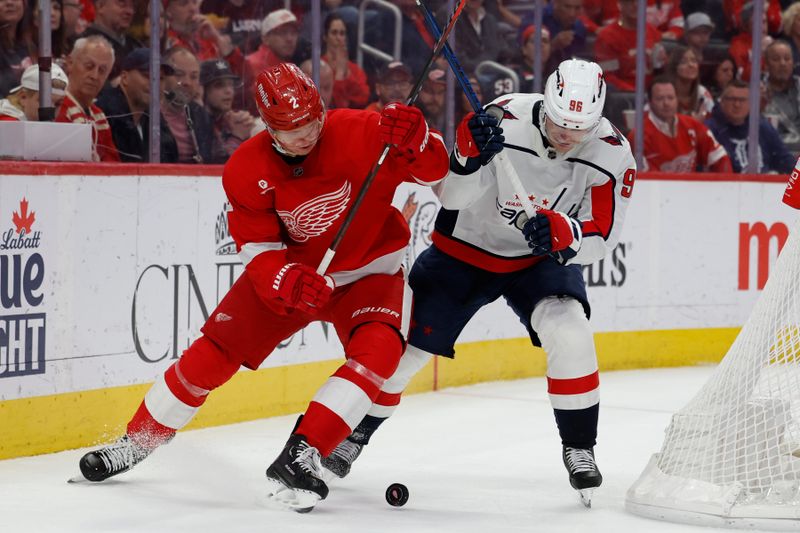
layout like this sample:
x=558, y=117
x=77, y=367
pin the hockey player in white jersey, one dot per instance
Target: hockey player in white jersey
x=578, y=172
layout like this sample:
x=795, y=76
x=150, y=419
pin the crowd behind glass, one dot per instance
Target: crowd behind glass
x=698, y=61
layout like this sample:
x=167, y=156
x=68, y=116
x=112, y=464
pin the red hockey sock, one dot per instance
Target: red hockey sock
x=145, y=431
x=373, y=353
x=322, y=428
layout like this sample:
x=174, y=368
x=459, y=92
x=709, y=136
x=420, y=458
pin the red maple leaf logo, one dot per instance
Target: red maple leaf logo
x=25, y=221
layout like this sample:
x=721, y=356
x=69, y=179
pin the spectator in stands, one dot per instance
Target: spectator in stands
x=464, y=107
x=742, y=44
x=693, y=98
x=58, y=43
x=189, y=29
x=729, y=122
x=528, y=57
x=432, y=96
x=616, y=44
x=783, y=91
x=417, y=41
x=14, y=43
x=393, y=84
x=23, y=101
x=720, y=75
x=231, y=127
x=71, y=13
x=88, y=67
x=350, y=87
x=244, y=18
x=665, y=15
x=325, y=85
x=567, y=30
x=736, y=21
x=478, y=37
x=674, y=142
x=790, y=28
x=112, y=20
x=127, y=109
x=348, y=10
x=278, y=41
x=189, y=123
x=698, y=33
x=504, y=15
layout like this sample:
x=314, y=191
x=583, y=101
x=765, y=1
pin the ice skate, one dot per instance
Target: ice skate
x=294, y=479
x=341, y=459
x=116, y=458
x=583, y=473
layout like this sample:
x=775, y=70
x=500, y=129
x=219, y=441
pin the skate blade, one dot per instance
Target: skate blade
x=586, y=497
x=300, y=501
x=78, y=479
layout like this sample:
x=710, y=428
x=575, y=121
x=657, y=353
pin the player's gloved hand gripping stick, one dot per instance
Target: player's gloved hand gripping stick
x=440, y=43
x=495, y=111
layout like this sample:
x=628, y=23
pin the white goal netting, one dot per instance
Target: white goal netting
x=731, y=457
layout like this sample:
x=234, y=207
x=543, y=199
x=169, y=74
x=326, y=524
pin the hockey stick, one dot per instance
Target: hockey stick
x=495, y=111
x=440, y=43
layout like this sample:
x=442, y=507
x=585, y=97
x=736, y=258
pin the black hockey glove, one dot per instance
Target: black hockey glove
x=479, y=138
x=553, y=233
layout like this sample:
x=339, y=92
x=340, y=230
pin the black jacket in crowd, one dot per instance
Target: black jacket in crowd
x=131, y=146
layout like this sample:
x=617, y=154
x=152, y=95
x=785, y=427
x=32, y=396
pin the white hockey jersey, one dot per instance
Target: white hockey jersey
x=592, y=183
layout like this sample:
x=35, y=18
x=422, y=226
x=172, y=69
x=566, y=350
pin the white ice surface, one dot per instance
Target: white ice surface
x=484, y=458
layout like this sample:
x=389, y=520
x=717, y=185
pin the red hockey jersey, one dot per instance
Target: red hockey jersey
x=285, y=211
x=692, y=148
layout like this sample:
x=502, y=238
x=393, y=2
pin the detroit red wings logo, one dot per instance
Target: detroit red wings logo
x=312, y=218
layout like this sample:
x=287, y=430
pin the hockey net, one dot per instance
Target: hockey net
x=731, y=457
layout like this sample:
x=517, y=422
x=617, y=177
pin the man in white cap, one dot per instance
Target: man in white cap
x=278, y=41
x=698, y=32
x=22, y=102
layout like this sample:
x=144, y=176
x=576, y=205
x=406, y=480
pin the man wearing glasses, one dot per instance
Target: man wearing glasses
x=729, y=122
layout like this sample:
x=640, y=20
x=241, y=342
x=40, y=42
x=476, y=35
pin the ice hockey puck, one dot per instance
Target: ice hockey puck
x=397, y=495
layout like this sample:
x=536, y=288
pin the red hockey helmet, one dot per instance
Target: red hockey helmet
x=286, y=98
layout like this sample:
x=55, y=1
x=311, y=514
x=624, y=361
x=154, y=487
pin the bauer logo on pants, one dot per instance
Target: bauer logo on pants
x=22, y=331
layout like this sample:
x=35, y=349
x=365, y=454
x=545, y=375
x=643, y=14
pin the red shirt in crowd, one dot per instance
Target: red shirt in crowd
x=615, y=51
x=693, y=147
x=103, y=146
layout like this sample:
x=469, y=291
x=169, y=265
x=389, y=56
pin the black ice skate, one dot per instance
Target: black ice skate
x=295, y=478
x=340, y=460
x=583, y=473
x=116, y=458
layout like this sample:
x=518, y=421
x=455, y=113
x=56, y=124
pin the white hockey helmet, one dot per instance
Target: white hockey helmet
x=575, y=94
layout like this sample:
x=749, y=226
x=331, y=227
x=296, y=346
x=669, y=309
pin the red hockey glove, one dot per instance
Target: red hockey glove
x=405, y=127
x=479, y=135
x=300, y=287
x=554, y=233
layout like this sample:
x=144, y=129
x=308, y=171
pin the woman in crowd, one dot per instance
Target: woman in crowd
x=14, y=43
x=719, y=75
x=693, y=98
x=350, y=87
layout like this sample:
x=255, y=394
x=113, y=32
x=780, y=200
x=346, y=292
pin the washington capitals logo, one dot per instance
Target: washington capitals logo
x=314, y=217
x=507, y=115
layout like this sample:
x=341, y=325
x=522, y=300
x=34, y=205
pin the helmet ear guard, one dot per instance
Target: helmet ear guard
x=575, y=94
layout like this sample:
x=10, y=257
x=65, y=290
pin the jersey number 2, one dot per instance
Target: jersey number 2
x=627, y=183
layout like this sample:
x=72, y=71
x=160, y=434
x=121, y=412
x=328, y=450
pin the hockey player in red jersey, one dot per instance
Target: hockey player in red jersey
x=289, y=189
x=578, y=172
